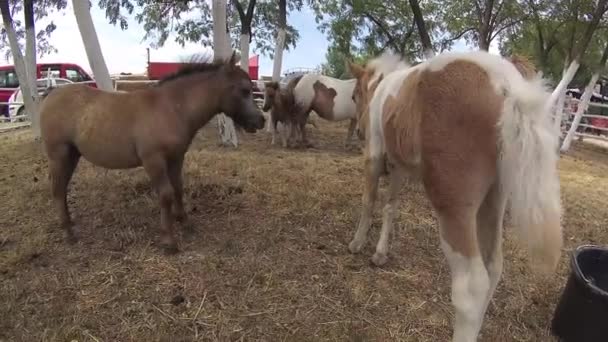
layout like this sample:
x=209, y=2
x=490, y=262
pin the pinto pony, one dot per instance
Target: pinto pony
x=281, y=104
x=329, y=97
x=474, y=130
x=151, y=127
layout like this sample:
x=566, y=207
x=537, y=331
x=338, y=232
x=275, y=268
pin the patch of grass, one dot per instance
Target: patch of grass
x=268, y=259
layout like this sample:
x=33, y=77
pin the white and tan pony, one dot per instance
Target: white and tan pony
x=329, y=97
x=472, y=128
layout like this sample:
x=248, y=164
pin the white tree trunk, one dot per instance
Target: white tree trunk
x=278, y=55
x=221, y=50
x=31, y=71
x=91, y=44
x=245, y=52
x=580, y=110
x=561, y=90
x=20, y=69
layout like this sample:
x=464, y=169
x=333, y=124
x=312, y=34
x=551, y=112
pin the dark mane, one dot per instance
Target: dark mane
x=193, y=66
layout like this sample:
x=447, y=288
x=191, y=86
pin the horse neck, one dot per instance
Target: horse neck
x=196, y=98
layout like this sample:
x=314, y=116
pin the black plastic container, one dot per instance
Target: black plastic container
x=582, y=312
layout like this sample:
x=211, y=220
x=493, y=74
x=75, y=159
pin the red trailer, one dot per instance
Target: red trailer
x=157, y=70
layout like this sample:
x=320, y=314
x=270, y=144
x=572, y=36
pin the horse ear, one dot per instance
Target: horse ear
x=233, y=59
x=355, y=69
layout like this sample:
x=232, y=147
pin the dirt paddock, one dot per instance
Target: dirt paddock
x=268, y=260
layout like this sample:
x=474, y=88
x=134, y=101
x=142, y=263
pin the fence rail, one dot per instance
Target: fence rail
x=569, y=112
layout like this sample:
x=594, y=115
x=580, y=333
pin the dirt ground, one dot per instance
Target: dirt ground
x=268, y=260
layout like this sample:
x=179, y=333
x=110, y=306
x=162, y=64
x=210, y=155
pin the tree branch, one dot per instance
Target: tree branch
x=239, y=9
x=445, y=41
x=419, y=21
x=494, y=16
x=510, y=24
x=391, y=39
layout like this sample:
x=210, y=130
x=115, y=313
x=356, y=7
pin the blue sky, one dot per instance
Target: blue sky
x=124, y=51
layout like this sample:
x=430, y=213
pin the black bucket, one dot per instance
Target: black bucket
x=582, y=312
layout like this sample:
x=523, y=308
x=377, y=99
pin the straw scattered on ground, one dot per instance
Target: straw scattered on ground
x=268, y=260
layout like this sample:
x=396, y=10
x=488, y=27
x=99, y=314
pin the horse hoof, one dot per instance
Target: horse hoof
x=170, y=249
x=355, y=246
x=379, y=259
x=70, y=238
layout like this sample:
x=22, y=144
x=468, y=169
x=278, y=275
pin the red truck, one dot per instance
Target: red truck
x=9, y=82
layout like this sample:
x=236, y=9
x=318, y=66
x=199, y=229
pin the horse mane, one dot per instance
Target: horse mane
x=294, y=82
x=195, y=65
x=386, y=63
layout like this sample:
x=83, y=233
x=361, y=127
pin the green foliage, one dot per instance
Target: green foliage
x=335, y=66
x=551, y=35
x=480, y=22
x=42, y=8
x=190, y=21
x=371, y=26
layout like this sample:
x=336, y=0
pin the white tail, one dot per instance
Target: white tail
x=528, y=171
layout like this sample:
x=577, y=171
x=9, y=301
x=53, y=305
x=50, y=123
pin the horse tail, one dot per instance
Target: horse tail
x=528, y=171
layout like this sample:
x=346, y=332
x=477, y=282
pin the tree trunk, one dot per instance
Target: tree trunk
x=245, y=38
x=245, y=18
x=485, y=29
x=18, y=60
x=427, y=46
x=584, y=102
x=30, y=64
x=559, y=94
x=221, y=50
x=483, y=42
x=280, y=43
x=91, y=45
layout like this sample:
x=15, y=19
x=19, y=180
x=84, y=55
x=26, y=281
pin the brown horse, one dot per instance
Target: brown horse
x=150, y=127
x=474, y=129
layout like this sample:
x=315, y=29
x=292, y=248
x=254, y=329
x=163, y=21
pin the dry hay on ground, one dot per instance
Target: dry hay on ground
x=268, y=260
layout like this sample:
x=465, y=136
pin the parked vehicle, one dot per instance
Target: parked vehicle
x=9, y=82
x=16, y=109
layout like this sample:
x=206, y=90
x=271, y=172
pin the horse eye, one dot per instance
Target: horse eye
x=246, y=92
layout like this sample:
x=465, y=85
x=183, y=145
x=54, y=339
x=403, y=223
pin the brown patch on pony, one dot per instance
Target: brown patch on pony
x=458, y=167
x=523, y=64
x=401, y=121
x=323, y=101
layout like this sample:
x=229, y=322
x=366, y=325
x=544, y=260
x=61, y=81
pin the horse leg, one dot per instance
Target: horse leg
x=175, y=174
x=63, y=160
x=290, y=133
x=351, y=131
x=373, y=168
x=273, y=130
x=157, y=170
x=396, y=180
x=470, y=278
x=489, y=234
